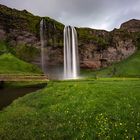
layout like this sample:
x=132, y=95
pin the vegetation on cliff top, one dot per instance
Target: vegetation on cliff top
x=85, y=36
x=12, y=19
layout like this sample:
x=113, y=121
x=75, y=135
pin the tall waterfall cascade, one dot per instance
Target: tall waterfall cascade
x=71, y=58
x=43, y=42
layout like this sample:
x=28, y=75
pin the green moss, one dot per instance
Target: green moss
x=122, y=33
x=85, y=37
x=21, y=20
x=26, y=52
x=3, y=47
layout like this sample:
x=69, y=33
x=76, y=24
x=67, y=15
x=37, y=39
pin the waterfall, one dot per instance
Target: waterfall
x=43, y=40
x=71, y=58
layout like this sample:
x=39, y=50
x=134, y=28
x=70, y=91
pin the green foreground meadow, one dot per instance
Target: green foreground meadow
x=87, y=109
x=92, y=108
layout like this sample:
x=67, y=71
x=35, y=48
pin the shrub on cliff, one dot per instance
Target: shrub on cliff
x=26, y=52
x=3, y=48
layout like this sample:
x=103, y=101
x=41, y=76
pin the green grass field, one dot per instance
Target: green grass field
x=91, y=108
x=88, y=109
x=9, y=64
x=127, y=68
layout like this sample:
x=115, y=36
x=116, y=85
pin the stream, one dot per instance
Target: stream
x=8, y=95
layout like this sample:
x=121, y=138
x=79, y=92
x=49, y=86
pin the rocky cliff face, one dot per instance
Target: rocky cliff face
x=112, y=47
x=97, y=48
x=131, y=25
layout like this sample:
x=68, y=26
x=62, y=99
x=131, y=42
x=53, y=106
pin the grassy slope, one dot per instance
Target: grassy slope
x=100, y=109
x=127, y=68
x=9, y=64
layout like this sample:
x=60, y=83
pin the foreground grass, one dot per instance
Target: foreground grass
x=9, y=64
x=90, y=109
x=126, y=68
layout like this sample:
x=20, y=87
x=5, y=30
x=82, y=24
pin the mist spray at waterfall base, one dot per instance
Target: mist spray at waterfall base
x=71, y=58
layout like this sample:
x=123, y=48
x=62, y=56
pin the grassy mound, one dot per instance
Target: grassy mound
x=9, y=64
x=127, y=68
x=100, y=109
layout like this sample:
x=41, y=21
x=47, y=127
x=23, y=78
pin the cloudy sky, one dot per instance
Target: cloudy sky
x=98, y=14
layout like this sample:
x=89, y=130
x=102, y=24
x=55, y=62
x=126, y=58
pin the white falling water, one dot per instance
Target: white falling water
x=42, y=39
x=71, y=58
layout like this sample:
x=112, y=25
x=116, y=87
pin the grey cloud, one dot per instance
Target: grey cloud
x=102, y=14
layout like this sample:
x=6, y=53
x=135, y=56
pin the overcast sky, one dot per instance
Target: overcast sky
x=98, y=14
